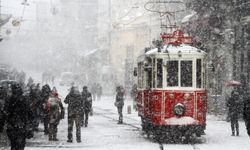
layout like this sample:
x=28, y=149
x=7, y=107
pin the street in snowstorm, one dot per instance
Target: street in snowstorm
x=103, y=133
x=125, y=74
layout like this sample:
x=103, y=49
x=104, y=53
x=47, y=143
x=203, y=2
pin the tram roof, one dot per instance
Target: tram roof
x=171, y=49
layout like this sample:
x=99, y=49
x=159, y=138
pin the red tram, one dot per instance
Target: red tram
x=172, y=97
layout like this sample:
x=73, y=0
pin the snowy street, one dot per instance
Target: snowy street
x=103, y=132
x=185, y=65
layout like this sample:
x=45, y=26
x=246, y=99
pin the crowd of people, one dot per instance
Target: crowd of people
x=28, y=106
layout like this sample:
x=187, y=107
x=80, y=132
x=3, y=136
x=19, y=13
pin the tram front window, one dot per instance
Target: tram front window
x=186, y=73
x=172, y=73
x=140, y=75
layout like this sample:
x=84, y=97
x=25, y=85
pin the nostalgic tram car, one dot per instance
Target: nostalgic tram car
x=172, y=97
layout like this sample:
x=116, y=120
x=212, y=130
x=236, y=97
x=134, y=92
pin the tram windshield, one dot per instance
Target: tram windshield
x=172, y=73
x=186, y=73
x=158, y=73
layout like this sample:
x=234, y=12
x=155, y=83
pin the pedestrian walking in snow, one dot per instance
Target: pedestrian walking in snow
x=133, y=94
x=119, y=102
x=246, y=111
x=56, y=113
x=35, y=100
x=234, y=107
x=99, y=91
x=18, y=117
x=75, y=111
x=87, y=100
x=93, y=91
x=46, y=91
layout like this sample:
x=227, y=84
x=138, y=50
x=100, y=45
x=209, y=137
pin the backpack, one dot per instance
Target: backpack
x=52, y=105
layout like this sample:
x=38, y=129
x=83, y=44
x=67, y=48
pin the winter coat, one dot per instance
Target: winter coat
x=246, y=109
x=55, y=110
x=75, y=103
x=119, y=100
x=45, y=93
x=35, y=100
x=3, y=97
x=87, y=100
x=234, y=105
x=18, y=115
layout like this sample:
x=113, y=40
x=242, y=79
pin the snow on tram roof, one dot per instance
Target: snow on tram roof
x=183, y=48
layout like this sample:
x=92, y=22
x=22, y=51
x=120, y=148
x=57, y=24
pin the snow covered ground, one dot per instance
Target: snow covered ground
x=104, y=133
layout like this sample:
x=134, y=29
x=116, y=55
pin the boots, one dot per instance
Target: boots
x=233, y=133
x=54, y=138
x=237, y=132
x=50, y=138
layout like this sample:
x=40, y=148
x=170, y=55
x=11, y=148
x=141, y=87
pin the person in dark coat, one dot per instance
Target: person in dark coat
x=18, y=117
x=45, y=93
x=35, y=100
x=87, y=100
x=3, y=96
x=75, y=111
x=119, y=102
x=246, y=111
x=234, y=107
x=56, y=113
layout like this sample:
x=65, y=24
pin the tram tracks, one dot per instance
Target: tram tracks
x=107, y=113
x=161, y=147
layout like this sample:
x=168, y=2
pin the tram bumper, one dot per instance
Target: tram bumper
x=187, y=125
x=182, y=121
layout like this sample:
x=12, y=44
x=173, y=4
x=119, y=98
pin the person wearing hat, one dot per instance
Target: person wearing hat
x=87, y=100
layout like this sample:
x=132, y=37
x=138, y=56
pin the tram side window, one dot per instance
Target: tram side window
x=172, y=73
x=159, y=73
x=198, y=73
x=154, y=72
x=149, y=78
x=140, y=75
x=148, y=74
x=186, y=73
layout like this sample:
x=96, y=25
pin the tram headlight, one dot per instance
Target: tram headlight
x=179, y=109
